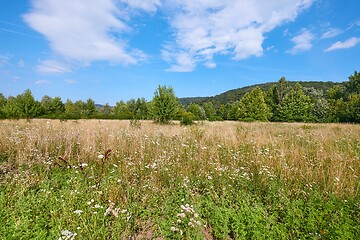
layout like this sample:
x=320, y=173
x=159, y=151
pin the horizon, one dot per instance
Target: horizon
x=118, y=50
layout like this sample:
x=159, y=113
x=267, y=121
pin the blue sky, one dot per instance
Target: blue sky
x=112, y=50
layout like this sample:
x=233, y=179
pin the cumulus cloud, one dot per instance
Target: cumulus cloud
x=205, y=28
x=82, y=30
x=86, y=31
x=303, y=42
x=351, y=42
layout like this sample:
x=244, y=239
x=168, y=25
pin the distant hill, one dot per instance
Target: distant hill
x=237, y=94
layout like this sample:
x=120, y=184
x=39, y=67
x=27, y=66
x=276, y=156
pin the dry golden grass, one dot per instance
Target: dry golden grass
x=325, y=156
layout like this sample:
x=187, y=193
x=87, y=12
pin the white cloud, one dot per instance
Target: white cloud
x=186, y=60
x=303, y=42
x=147, y=5
x=82, y=30
x=332, y=33
x=21, y=63
x=351, y=42
x=5, y=59
x=53, y=66
x=42, y=82
x=205, y=28
x=70, y=81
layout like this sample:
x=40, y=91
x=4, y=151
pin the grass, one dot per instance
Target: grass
x=220, y=180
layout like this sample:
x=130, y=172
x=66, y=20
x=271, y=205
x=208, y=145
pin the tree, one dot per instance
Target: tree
x=353, y=85
x=164, y=105
x=10, y=109
x=296, y=106
x=22, y=106
x=252, y=107
x=89, y=108
x=2, y=104
x=210, y=111
x=121, y=111
x=72, y=110
x=197, y=111
x=354, y=108
x=322, y=110
x=275, y=96
x=52, y=106
x=105, y=110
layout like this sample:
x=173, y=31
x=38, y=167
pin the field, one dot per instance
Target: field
x=92, y=179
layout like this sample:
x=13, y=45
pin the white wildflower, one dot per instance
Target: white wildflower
x=78, y=212
x=181, y=215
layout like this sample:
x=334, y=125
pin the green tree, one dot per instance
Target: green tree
x=3, y=101
x=296, y=106
x=354, y=108
x=121, y=111
x=105, y=111
x=197, y=111
x=252, y=107
x=11, y=109
x=275, y=96
x=22, y=106
x=164, y=105
x=88, y=109
x=52, y=107
x=322, y=110
x=353, y=85
x=72, y=110
x=210, y=111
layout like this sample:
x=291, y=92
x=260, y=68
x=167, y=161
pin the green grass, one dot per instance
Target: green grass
x=214, y=181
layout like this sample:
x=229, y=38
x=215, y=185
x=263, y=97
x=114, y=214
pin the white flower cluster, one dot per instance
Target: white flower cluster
x=111, y=210
x=66, y=234
x=188, y=216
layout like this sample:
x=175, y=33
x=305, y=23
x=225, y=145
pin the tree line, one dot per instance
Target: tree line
x=282, y=102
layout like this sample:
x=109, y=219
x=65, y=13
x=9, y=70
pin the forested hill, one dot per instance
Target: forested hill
x=237, y=94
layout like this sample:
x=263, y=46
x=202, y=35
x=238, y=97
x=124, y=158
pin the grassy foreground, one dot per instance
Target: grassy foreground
x=222, y=180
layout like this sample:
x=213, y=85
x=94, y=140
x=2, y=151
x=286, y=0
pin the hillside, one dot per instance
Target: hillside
x=236, y=94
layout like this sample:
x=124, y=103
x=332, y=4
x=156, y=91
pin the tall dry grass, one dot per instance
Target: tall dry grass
x=322, y=156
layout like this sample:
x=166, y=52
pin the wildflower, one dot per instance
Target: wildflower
x=66, y=234
x=100, y=156
x=181, y=215
x=123, y=211
x=78, y=212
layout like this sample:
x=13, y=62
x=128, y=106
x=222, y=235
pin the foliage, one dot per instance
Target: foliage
x=353, y=85
x=197, y=111
x=316, y=102
x=164, y=105
x=187, y=118
x=52, y=107
x=296, y=107
x=121, y=111
x=22, y=106
x=210, y=111
x=252, y=107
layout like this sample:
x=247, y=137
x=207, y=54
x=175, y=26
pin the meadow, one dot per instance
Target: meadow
x=109, y=179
